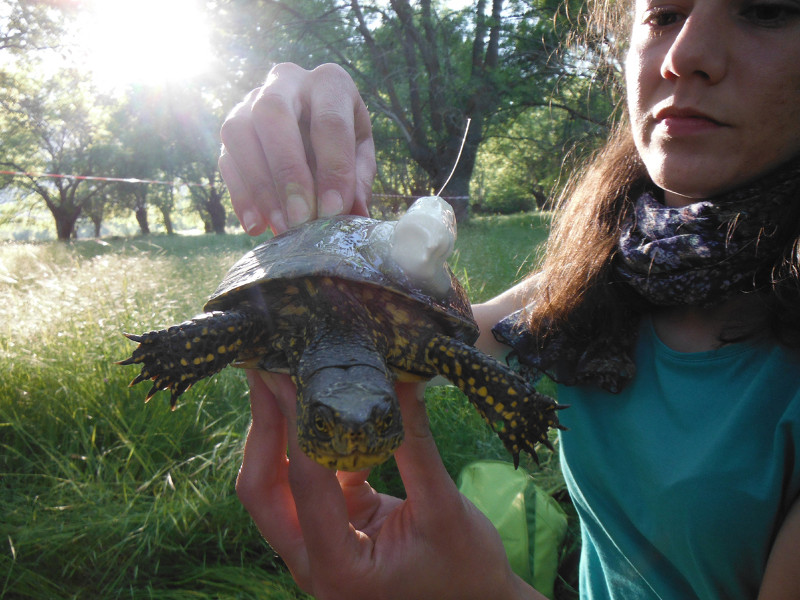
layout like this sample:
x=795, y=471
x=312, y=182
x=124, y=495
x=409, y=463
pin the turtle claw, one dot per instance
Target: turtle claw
x=547, y=443
x=153, y=391
x=138, y=379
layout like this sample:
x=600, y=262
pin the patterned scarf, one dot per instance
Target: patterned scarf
x=697, y=255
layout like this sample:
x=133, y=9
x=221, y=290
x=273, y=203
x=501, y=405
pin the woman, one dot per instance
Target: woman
x=669, y=303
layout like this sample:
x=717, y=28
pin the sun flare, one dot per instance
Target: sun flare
x=145, y=41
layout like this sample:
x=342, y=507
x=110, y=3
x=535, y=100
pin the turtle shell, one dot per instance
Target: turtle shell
x=344, y=248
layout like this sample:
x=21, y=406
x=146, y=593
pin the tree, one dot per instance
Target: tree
x=53, y=126
x=195, y=121
x=28, y=25
x=424, y=71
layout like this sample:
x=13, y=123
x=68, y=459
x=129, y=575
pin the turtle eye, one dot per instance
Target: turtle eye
x=319, y=424
x=384, y=421
x=321, y=421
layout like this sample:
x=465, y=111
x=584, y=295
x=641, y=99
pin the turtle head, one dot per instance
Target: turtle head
x=348, y=418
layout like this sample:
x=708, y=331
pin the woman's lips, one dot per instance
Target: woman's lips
x=677, y=122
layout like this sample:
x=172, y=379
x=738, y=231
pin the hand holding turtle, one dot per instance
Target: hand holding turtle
x=341, y=539
x=297, y=148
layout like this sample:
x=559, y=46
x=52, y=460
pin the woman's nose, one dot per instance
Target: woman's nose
x=699, y=50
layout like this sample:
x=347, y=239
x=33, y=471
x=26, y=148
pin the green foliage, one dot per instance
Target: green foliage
x=53, y=124
x=28, y=26
x=422, y=68
x=494, y=252
x=103, y=496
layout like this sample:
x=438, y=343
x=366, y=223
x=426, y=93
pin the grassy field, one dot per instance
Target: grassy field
x=104, y=497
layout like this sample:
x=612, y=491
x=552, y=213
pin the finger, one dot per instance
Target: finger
x=245, y=170
x=262, y=484
x=339, y=122
x=425, y=478
x=366, y=168
x=359, y=496
x=285, y=392
x=278, y=119
x=322, y=512
x=246, y=209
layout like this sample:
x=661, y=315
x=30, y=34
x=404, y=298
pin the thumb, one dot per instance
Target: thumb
x=424, y=475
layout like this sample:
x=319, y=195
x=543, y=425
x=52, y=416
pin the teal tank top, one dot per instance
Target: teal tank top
x=683, y=479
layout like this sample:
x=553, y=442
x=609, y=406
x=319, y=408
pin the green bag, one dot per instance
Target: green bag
x=531, y=523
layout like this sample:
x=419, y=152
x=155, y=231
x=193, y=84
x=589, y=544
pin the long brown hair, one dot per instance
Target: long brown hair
x=574, y=280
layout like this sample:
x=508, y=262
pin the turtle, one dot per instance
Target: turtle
x=320, y=303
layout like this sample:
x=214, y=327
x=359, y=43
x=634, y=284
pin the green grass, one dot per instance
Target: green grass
x=102, y=496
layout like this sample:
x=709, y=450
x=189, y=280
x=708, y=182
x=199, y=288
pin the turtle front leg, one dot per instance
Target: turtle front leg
x=178, y=357
x=512, y=407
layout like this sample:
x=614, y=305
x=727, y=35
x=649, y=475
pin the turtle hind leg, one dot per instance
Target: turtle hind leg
x=179, y=356
x=516, y=412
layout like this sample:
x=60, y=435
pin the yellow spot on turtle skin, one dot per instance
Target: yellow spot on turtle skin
x=231, y=329
x=511, y=391
x=445, y=369
x=401, y=317
x=294, y=311
x=310, y=286
x=458, y=369
x=471, y=381
x=210, y=358
x=204, y=331
x=483, y=392
x=184, y=362
x=188, y=345
x=198, y=361
x=222, y=350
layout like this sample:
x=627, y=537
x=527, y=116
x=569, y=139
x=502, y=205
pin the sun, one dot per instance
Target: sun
x=145, y=41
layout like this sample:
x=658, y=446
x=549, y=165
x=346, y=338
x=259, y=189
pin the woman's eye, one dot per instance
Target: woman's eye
x=770, y=15
x=662, y=17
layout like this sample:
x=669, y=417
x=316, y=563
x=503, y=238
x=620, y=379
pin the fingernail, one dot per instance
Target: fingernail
x=331, y=204
x=297, y=210
x=251, y=220
x=277, y=221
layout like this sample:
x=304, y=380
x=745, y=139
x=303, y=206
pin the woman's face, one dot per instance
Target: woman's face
x=714, y=91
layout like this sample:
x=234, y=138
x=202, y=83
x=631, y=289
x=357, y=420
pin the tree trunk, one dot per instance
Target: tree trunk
x=216, y=211
x=457, y=195
x=141, y=218
x=65, y=223
x=167, y=216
